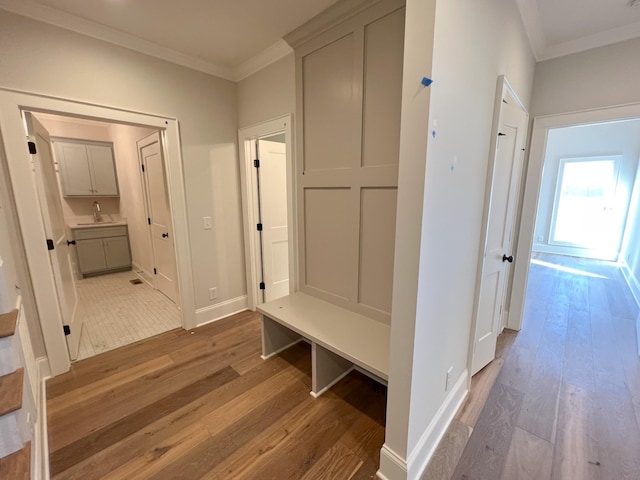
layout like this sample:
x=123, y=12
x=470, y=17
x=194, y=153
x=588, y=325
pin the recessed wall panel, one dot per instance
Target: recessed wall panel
x=328, y=239
x=377, y=241
x=384, y=47
x=328, y=79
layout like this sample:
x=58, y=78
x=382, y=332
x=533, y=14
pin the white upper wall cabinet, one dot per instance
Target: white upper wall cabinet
x=349, y=92
x=87, y=169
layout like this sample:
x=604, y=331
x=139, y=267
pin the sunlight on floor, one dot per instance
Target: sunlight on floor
x=562, y=268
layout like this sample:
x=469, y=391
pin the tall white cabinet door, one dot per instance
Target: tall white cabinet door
x=103, y=170
x=76, y=176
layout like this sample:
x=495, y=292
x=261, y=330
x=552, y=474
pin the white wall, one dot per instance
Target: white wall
x=597, y=78
x=631, y=243
x=474, y=43
x=41, y=58
x=268, y=93
x=617, y=138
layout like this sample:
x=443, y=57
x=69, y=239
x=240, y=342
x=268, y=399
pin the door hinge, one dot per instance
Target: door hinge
x=259, y=227
x=32, y=148
x=500, y=134
x=155, y=271
x=142, y=165
x=148, y=220
x=256, y=163
x=50, y=245
x=66, y=329
x=262, y=286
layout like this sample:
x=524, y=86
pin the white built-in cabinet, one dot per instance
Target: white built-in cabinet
x=87, y=169
x=349, y=91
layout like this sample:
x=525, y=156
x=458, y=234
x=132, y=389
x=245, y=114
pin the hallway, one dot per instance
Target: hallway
x=566, y=402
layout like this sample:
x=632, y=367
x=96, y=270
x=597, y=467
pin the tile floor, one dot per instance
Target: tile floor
x=117, y=312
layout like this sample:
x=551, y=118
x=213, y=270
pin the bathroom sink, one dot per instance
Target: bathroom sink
x=106, y=222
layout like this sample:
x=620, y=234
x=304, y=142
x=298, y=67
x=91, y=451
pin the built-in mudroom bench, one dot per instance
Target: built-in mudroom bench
x=340, y=339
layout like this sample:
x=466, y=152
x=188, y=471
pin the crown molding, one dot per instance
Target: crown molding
x=600, y=39
x=270, y=55
x=52, y=16
x=533, y=26
x=335, y=14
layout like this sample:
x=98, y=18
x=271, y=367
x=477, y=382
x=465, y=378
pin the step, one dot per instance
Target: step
x=11, y=391
x=8, y=323
x=17, y=466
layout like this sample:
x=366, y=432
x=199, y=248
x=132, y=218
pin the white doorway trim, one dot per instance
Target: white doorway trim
x=12, y=104
x=245, y=135
x=541, y=127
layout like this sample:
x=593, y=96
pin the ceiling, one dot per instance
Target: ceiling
x=562, y=27
x=235, y=38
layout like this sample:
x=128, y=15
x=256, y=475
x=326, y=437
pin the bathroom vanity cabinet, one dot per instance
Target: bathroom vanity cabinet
x=103, y=249
x=87, y=169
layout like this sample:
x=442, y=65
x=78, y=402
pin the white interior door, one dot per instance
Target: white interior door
x=273, y=208
x=55, y=228
x=498, y=248
x=157, y=199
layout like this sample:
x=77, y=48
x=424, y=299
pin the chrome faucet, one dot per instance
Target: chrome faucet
x=97, y=215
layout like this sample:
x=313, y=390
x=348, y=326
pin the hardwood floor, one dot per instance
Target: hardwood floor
x=565, y=401
x=203, y=404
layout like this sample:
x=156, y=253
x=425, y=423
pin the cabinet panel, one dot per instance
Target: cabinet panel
x=384, y=46
x=74, y=168
x=116, y=251
x=329, y=106
x=91, y=257
x=103, y=170
x=87, y=169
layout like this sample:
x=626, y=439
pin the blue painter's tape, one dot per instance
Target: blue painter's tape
x=426, y=81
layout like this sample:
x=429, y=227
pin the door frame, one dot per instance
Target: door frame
x=245, y=136
x=18, y=162
x=503, y=91
x=529, y=211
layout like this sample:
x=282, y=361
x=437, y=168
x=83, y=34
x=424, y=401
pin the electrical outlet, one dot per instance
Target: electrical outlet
x=213, y=293
x=448, y=383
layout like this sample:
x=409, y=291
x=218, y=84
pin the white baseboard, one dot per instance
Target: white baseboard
x=634, y=286
x=220, y=310
x=394, y=467
x=632, y=281
x=40, y=450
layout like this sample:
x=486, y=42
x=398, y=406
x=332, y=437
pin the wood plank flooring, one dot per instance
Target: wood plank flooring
x=564, y=403
x=204, y=405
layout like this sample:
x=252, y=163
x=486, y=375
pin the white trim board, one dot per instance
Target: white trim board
x=394, y=467
x=40, y=452
x=220, y=310
x=18, y=160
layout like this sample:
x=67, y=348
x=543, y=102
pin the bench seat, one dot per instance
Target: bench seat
x=341, y=340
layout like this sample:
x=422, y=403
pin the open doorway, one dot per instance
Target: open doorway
x=267, y=186
x=104, y=210
x=20, y=170
x=589, y=173
x=580, y=208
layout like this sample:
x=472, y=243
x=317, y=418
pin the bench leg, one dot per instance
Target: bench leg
x=327, y=369
x=276, y=338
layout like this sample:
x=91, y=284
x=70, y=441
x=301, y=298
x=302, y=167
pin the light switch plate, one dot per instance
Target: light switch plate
x=206, y=223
